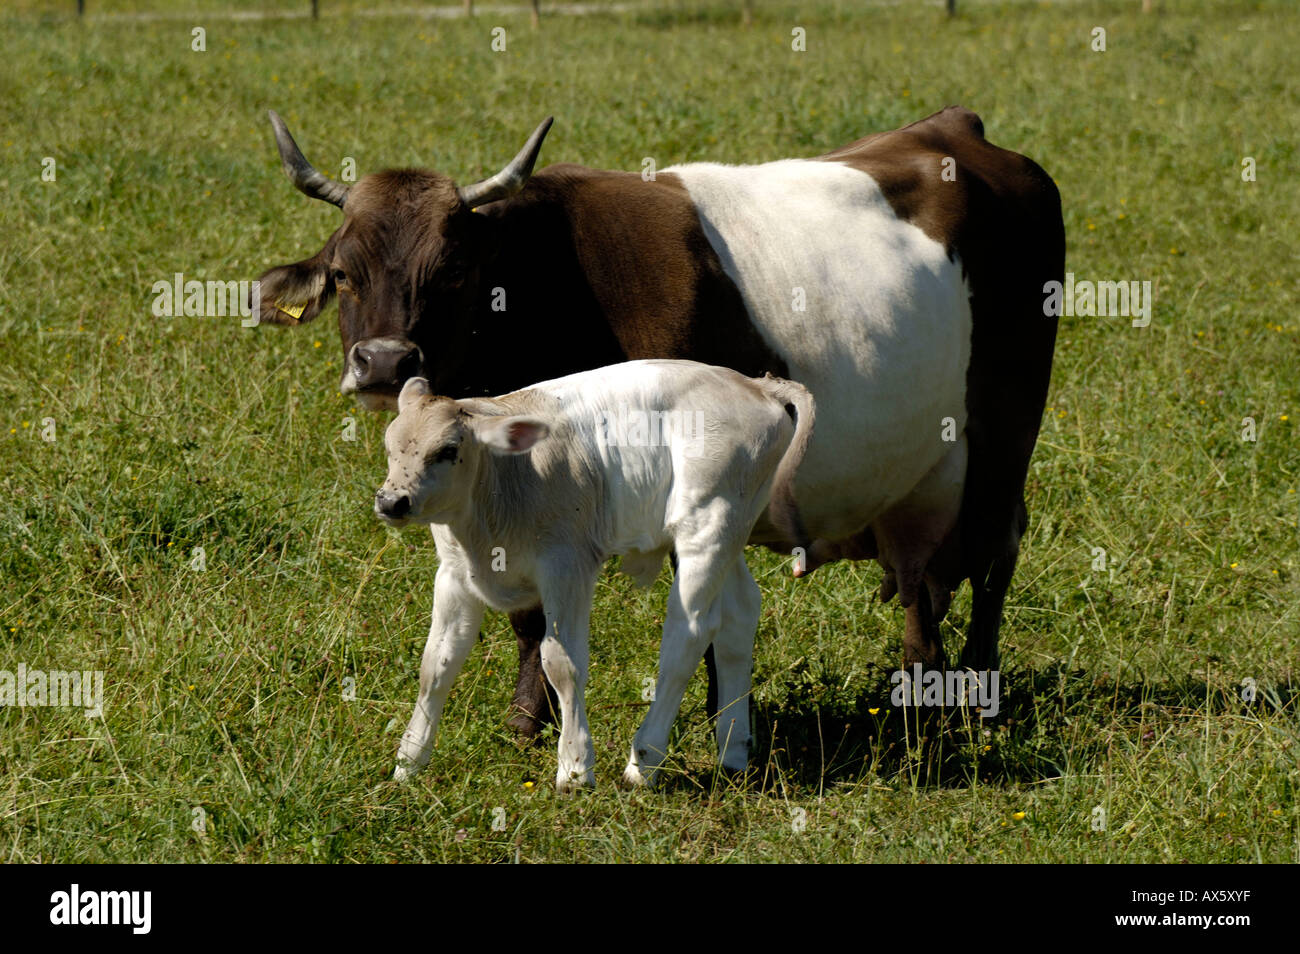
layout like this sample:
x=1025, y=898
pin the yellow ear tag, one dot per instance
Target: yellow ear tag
x=293, y=311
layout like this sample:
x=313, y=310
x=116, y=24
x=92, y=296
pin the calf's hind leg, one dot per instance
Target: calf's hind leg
x=693, y=618
x=710, y=664
x=734, y=649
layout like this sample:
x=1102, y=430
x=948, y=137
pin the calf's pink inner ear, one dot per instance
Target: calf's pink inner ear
x=524, y=434
x=514, y=435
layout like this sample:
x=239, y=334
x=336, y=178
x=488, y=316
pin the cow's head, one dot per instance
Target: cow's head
x=434, y=450
x=404, y=265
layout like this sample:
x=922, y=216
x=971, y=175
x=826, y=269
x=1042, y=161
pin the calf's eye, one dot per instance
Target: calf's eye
x=447, y=453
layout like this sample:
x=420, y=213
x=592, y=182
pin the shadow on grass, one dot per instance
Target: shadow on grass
x=1049, y=723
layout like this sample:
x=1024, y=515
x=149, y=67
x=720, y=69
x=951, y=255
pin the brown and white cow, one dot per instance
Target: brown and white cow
x=900, y=278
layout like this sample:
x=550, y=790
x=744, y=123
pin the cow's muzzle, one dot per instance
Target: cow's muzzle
x=381, y=365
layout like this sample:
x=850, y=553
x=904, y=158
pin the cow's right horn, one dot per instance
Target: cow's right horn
x=302, y=173
x=512, y=178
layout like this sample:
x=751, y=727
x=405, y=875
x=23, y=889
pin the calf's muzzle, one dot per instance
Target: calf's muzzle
x=392, y=506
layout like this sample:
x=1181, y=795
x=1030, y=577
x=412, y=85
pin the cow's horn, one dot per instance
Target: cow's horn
x=302, y=173
x=512, y=178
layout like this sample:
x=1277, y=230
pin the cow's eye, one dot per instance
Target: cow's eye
x=340, y=277
x=447, y=453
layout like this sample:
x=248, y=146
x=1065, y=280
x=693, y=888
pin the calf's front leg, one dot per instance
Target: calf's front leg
x=565, y=658
x=457, y=615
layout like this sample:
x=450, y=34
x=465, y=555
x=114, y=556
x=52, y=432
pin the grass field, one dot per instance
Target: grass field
x=1123, y=733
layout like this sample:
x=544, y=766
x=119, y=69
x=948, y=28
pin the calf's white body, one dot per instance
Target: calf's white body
x=530, y=493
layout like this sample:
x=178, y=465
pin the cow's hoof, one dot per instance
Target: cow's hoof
x=404, y=772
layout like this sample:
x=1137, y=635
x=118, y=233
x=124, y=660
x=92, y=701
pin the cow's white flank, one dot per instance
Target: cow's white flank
x=884, y=341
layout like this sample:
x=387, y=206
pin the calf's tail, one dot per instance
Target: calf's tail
x=783, y=508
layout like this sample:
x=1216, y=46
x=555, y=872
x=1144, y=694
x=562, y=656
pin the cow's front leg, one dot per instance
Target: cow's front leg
x=565, y=658
x=534, y=703
x=457, y=615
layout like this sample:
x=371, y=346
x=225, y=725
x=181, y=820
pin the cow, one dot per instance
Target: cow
x=900, y=277
x=529, y=495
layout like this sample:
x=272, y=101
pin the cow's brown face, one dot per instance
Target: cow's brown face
x=403, y=266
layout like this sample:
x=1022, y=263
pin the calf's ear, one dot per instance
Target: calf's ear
x=412, y=391
x=295, y=294
x=511, y=435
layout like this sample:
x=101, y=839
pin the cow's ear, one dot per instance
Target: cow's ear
x=511, y=435
x=412, y=391
x=295, y=294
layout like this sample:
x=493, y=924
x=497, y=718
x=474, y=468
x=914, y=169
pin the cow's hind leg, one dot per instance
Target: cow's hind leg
x=989, y=586
x=922, y=640
x=535, y=703
x=910, y=535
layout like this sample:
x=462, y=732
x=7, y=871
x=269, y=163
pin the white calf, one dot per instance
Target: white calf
x=529, y=494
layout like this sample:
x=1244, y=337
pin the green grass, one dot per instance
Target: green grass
x=224, y=687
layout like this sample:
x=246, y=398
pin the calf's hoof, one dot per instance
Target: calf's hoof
x=574, y=782
x=734, y=772
x=632, y=778
x=642, y=769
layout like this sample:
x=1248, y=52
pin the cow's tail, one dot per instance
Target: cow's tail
x=784, y=509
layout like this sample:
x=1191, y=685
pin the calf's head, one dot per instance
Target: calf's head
x=404, y=265
x=435, y=448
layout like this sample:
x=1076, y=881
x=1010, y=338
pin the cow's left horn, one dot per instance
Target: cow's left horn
x=302, y=173
x=512, y=178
